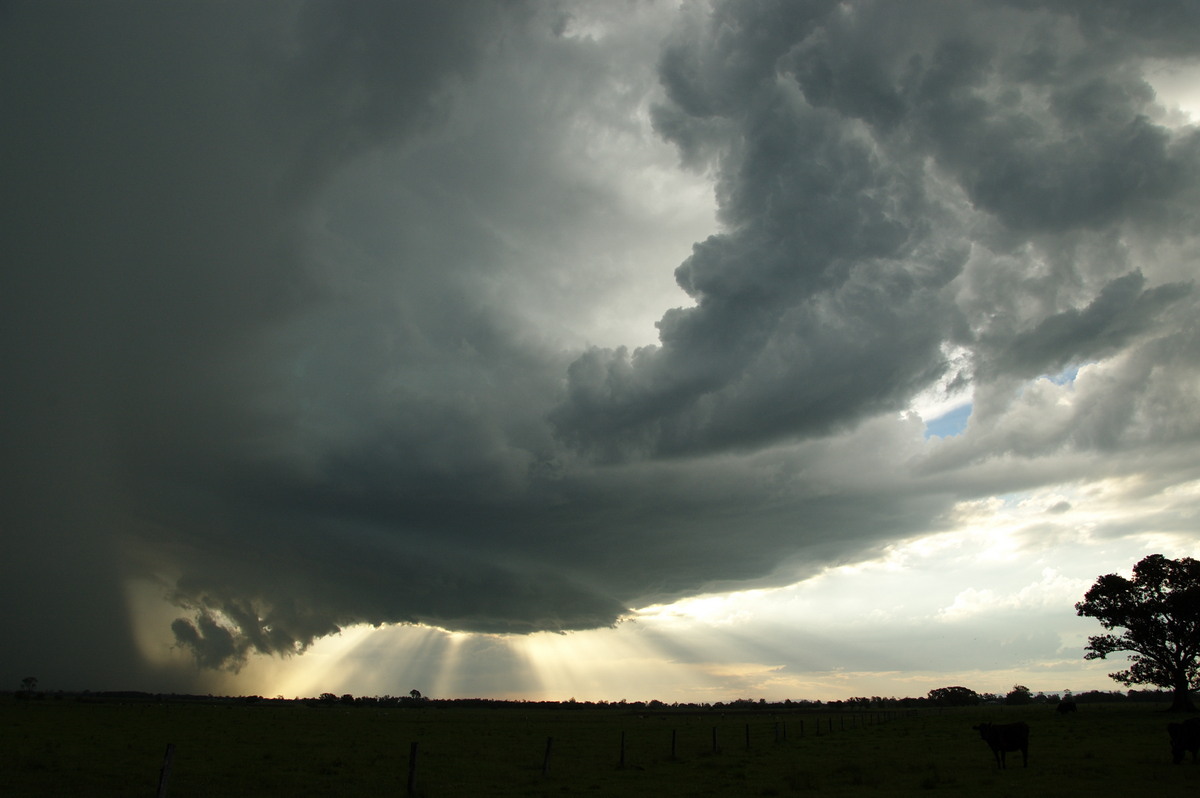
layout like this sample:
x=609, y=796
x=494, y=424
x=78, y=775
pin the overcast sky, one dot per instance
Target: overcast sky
x=604, y=349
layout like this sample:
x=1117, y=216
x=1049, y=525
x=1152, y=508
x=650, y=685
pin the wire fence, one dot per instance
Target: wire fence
x=565, y=747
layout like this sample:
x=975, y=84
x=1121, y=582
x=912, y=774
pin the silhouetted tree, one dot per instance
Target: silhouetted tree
x=1020, y=694
x=1159, y=611
x=953, y=697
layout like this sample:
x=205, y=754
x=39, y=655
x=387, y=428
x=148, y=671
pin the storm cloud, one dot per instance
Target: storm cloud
x=312, y=311
x=858, y=173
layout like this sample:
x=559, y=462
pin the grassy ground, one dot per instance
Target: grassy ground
x=112, y=749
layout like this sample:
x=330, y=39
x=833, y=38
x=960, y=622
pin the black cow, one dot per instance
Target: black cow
x=1005, y=737
x=1066, y=706
x=1184, y=737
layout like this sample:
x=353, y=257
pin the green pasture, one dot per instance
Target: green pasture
x=70, y=747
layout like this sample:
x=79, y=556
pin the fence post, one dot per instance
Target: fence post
x=674, y=739
x=714, y=735
x=622, y=750
x=164, y=774
x=747, y=736
x=546, y=758
x=412, y=767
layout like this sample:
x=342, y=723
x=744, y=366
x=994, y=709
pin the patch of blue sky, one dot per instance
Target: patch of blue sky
x=949, y=424
x=1064, y=377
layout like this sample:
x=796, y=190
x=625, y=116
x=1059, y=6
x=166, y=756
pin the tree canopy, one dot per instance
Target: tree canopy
x=1019, y=695
x=955, y=696
x=1158, y=611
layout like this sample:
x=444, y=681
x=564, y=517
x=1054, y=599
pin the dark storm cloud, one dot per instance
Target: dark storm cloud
x=285, y=335
x=1160, y=27
x=1121, y=311
x=151, y=169
x=844, y=140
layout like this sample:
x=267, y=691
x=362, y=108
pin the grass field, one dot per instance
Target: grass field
x=116, y=749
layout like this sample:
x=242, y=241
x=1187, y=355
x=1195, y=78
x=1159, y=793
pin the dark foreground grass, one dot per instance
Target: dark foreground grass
x=112, y=749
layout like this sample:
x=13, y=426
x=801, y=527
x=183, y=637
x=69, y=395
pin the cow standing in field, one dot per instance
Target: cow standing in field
x=1066, y=706
x=1005, y=737
x=1184, y=737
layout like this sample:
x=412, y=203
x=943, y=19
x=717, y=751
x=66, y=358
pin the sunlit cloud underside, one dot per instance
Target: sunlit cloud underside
x=987, y=606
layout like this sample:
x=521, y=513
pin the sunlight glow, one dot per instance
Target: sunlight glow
x=715, y=609
x=1013, y=565
x=945, y=394
x=324, y=661
x=149, y=615
x=601, y=664
x=1177, y=88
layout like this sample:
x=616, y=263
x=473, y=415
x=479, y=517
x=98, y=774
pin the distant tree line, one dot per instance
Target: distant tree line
x=953, y=696
x=1020, y=694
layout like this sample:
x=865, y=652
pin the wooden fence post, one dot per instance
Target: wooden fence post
x=622, y=765
x=546, y=758
x=164, y=774
x=747, y=736
x=674, y=740
x=714, y=735
x=412, y=767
